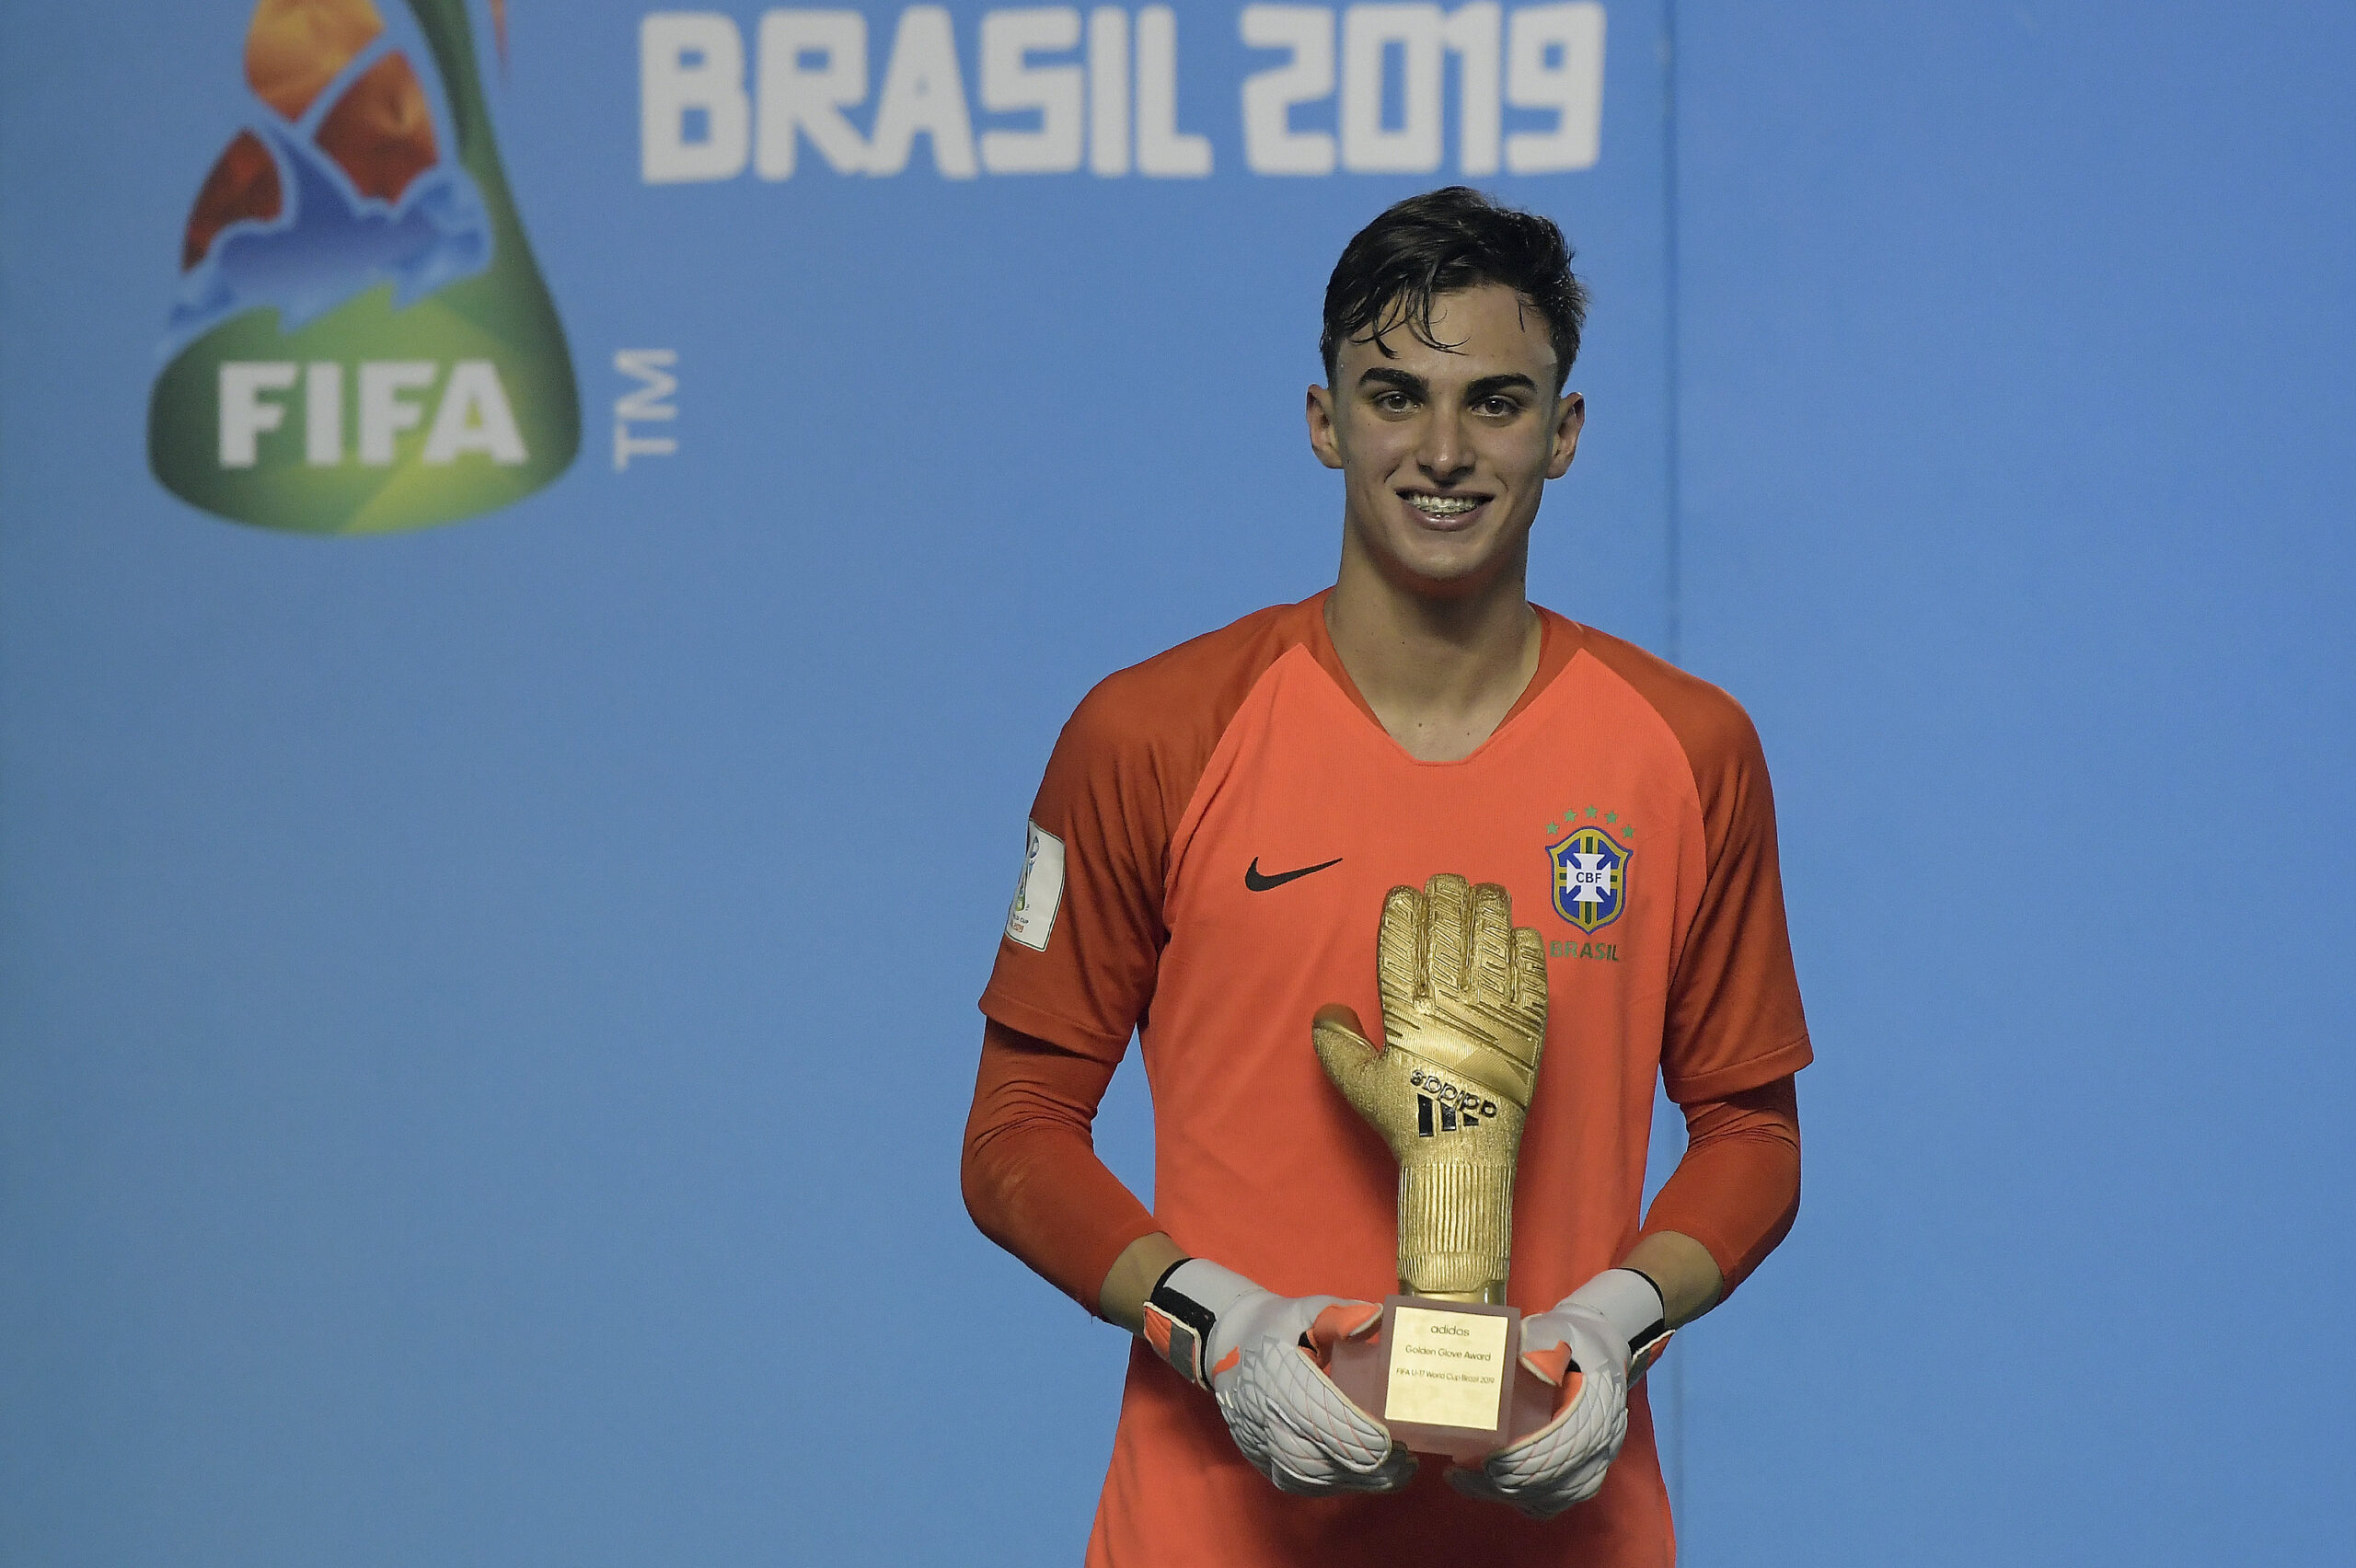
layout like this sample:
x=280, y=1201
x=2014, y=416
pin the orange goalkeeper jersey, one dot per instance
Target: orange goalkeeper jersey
x=1207, y=864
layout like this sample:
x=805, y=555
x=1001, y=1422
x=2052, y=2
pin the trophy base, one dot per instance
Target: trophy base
x=1446, y=1377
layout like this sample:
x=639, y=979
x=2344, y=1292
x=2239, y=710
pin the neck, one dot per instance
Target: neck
x=1441, y=672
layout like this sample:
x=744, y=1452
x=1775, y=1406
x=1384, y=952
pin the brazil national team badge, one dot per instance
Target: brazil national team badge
x=361, y=340
x=1590, y=877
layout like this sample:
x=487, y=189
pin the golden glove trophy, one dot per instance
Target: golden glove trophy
x=1463, y=1022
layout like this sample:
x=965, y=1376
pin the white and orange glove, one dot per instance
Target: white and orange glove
x=1262, y=1356
x=1592, y=1346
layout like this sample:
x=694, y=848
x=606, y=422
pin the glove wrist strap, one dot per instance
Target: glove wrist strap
x=1634, y=1306
x=1184, y=1309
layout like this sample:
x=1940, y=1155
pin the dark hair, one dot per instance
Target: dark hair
x=1441, y=242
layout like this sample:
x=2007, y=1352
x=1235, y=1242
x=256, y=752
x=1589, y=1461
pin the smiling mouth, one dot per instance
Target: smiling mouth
x=1441, y=508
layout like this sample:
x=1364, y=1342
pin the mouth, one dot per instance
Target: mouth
x=1444, y=510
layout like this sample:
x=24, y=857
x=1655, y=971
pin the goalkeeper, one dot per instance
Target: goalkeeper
x=1211, y=864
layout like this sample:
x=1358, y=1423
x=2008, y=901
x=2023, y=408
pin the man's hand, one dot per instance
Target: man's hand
x=1590, y=1348
x=1263, y=1357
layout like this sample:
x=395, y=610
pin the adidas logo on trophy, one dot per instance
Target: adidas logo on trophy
x=1456, y=1107
x=361, y=342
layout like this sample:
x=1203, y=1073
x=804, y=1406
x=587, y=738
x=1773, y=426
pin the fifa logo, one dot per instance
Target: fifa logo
x=360, y=342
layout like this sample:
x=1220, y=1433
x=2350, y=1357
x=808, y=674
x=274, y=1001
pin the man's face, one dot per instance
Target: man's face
x=1444, y=451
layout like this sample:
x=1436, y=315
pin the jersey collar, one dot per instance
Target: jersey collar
x=1558, y=642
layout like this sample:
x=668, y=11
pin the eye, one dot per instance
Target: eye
x=1393, y=401
x=1498, y=407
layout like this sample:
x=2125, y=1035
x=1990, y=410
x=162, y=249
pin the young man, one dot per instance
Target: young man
x=1210, y=857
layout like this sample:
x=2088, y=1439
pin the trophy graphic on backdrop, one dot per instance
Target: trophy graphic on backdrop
x=1463, y=1024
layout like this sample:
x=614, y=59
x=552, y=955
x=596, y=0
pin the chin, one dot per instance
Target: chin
x=1450, y=576
x=1443, y=557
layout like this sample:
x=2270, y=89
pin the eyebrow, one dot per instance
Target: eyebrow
x=1384, y=375
x=1487, y=387
x=1490, y=386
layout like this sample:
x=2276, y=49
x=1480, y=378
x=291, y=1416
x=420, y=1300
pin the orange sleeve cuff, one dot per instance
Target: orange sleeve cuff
x=1725, y=1083
x=1738, y=1189
x=1031, y=1176
x=1018, y=1019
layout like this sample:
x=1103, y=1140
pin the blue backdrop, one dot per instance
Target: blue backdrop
x=472, y=1001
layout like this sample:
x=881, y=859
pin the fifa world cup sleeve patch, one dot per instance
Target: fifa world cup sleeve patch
x=1039, y=893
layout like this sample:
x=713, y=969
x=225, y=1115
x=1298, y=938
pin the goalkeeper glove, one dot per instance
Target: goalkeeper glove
x=1262, y=1356
x=1592, y=1347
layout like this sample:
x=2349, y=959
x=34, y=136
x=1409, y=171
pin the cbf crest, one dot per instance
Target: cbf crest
x=1590, y=877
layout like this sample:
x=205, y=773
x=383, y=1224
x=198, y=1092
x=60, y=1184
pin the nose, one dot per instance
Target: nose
x=1444, y=454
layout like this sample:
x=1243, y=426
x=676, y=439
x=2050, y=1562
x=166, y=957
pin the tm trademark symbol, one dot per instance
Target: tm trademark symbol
x=649, y=402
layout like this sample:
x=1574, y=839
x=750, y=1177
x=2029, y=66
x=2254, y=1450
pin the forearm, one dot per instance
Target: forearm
x=1032, y=1179
x=1682, y=1270
x=1731, y=1199
x=1132, y=1278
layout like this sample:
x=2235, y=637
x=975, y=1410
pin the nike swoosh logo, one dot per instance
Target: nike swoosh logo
x=1258, y=884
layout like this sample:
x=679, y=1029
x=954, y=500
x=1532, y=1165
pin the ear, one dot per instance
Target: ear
x=1570, y=416
x=1324, y=436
